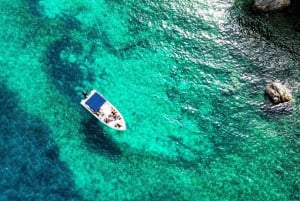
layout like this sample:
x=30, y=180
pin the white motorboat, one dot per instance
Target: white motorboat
x=103, y=110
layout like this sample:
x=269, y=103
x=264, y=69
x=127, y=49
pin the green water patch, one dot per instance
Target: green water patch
x=240, y=136
x=288, y=129
x=124, y=36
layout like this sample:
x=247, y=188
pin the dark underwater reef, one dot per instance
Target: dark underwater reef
x=64, y=74
x=30, y=167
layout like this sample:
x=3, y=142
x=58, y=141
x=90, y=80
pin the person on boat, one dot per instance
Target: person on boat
x=118, y=125
x=107, y=120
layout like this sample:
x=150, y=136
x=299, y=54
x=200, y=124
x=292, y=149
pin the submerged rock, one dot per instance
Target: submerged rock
x=270, y=5
x=278, y=93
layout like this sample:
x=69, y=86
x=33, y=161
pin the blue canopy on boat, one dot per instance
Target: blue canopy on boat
x=95, y=101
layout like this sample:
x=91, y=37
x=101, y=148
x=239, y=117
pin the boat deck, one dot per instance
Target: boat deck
x=110, y=116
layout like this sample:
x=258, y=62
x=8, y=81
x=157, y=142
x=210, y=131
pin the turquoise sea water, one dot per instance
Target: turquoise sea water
x=189, y=78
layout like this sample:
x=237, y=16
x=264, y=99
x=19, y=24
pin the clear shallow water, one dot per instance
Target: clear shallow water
x=187, y=76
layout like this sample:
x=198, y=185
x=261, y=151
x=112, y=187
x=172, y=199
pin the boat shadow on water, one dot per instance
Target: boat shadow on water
x=96, y=140
x=272, y=111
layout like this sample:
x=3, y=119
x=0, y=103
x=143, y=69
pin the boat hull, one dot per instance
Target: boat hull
x=103, y=110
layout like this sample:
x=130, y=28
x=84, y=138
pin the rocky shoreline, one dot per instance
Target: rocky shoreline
x=290, y=6
x=270, y=5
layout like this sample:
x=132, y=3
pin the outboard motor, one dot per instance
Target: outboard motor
x=84, y=94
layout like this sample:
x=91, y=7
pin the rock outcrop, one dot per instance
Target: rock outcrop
x=278, y=93
x=270, y=5
x=297, y=26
